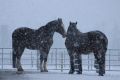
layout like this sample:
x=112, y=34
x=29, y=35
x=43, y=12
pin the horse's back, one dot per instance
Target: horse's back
x=88, y=40
x=22, y=30
x=97, y=35
x=98, y=40
x=20, y=33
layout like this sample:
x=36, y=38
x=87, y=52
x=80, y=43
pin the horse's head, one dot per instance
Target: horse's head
x=60, y=28
x=57, y=26
x=72, y=27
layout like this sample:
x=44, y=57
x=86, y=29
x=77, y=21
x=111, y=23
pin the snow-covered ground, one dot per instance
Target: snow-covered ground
x=57, y=62
x=56, y=75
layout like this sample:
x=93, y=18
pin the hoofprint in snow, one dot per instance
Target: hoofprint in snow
x=57, y=75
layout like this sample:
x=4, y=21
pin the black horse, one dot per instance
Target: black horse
x=40, y=39
x=84, y=43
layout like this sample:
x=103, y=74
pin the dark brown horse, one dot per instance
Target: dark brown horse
x=40, y=39
x=78, y=43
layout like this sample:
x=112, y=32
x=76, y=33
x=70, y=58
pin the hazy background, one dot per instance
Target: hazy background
x=103, y=15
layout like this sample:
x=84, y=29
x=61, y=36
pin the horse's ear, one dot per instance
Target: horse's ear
x=76, y=22
x=59, y=19
x=70, y=23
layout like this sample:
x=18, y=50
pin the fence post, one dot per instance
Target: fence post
x=64, y=58
x=91, y=63
x=109, y=59
x=38, y=60
x=10, y=57
x=2, y=58
x=61, y=62
x=56, y=58
x=88, y=62
x=31, y=60
x=51, y=57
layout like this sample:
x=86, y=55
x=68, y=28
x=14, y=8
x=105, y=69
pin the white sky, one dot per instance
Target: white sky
x=103, y=15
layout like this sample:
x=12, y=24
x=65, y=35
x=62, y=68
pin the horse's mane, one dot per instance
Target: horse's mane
x=47, y=26
x=51, y=23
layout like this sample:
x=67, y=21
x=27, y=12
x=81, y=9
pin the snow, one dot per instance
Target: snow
x=29, y=63
x=55, y=75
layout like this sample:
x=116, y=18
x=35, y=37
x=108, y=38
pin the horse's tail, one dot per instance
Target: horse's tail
x=105, y=42
x=104, y=39
x=13, y=53
x=14, y=58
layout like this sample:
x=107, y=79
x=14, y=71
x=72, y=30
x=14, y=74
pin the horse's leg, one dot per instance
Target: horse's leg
x=43, y=61
x=102, y=65
x=96, y=65
x=18, y=56
x=14, y=52
x=79, y=64
x=14, y=58
x=101, y=61
x=72, y=69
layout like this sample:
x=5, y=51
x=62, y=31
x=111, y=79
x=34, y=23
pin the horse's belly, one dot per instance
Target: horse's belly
x=39, y=45
x=85, y=49
x=32, y=47
x=86, y=52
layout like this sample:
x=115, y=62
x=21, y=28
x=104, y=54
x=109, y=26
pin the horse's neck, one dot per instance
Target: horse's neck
x=40, y=29
x=51, y=32
x=45, y=30
x=78, y=32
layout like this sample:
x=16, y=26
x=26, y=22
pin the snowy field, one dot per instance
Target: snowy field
x=58, y=62
x=55, y=75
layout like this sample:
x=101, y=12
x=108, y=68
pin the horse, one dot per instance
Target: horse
x=78, y=43
x=40, y=39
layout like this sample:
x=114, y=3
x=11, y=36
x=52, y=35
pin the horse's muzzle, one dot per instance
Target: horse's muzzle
x=65, y=34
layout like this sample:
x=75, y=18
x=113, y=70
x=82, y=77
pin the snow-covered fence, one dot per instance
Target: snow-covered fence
x=58, y=59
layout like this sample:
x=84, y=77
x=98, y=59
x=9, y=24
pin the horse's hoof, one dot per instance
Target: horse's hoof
x=19, y=72
x=45, y=70
x=79, y=72
x=14, y=66
x=101, y=75
x=41, y=70
x=20, y=69
x=71, y=72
